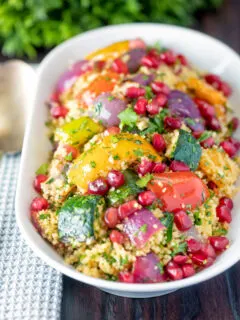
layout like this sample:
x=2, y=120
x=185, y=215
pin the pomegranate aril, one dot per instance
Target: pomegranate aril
x=213, y=124
x=71, y=151
x=145, y=166
x=137, y=43
x=40, y=178
x=54, y=97
x=150, y=61
x=159, y=167
x=146, y=198
x=168, y=57
x=182, y=59
x=125, y=276
x=128, y=208
x=119, y=66
x=234, y=124
x=182, y=220
x=160, y=87
x=174, y=271
x=226, y=89
x=235, y=142
x=58, y=112
x=98, y=187
x=141, y=106
x=199, y=258
x=209, y=262
x=153, y=107
x=135, y=92
x=197, y=134
x=115, y=178
x=206, y=110
x=225, y=201
x=208, y=143
x=116, y=236
x=99, y=65
x=224, y=213
x=179, y=259
x=176, y=166
x=158, y=142
x=229, y=148
x=35, y=220
x=39, y=204
x=213, y=80
x=112, y=130
x=193, y=245
x=188, y=270
x=212, y=185
x=208, y=250
x=111, y=217
x=172, y=123
x=161, y=99
x=219, y=243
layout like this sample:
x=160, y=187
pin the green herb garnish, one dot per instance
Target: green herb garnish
x=50, y=181
x=93, y=164
x=69, y=157
x=128, y=117
x=142, y=182
x=43, y=169
x=167, y=221
x=44, y=216
x=143, y=228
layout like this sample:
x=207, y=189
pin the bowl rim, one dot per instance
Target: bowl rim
x=69, y=270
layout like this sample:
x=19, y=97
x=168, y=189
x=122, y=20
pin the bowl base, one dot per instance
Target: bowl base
x=137, y=294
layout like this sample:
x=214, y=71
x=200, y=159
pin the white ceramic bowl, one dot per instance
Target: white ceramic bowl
x=203, y=51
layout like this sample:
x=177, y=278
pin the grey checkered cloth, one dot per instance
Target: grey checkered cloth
x=28, y=288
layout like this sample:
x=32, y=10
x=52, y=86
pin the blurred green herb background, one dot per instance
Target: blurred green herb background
x=27, y=25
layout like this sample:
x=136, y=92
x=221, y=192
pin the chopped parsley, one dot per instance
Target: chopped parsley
x=93, y=164
x=44, y=216
x=197, y=219
x=167, y=221
x=141, y=183
x=143, y=228
x=111, y=277
x=156, y=124
x=220, y=232
x=128, y=118
x=181, y=248
x=149, y=94
x=205, y=135
x=116, y=157
x=109, y=258
x=114, y=139
x=138, y=152
x=50, y=181
x=160, y=267
x=123, y=261
x=110, y=98
x=190, y=121
x=43, y=169
x=69, y=157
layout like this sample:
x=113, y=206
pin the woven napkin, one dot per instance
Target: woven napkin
x=29, y=289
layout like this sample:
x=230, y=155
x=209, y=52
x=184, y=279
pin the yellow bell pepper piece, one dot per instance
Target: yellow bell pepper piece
x=114, y=152
x=110, y=52
x=205, y=91
x=78, y=131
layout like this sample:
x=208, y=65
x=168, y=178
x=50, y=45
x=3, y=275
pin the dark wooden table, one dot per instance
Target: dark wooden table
x=218, y=298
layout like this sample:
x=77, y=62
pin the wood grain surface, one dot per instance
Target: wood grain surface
x=216, y=299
